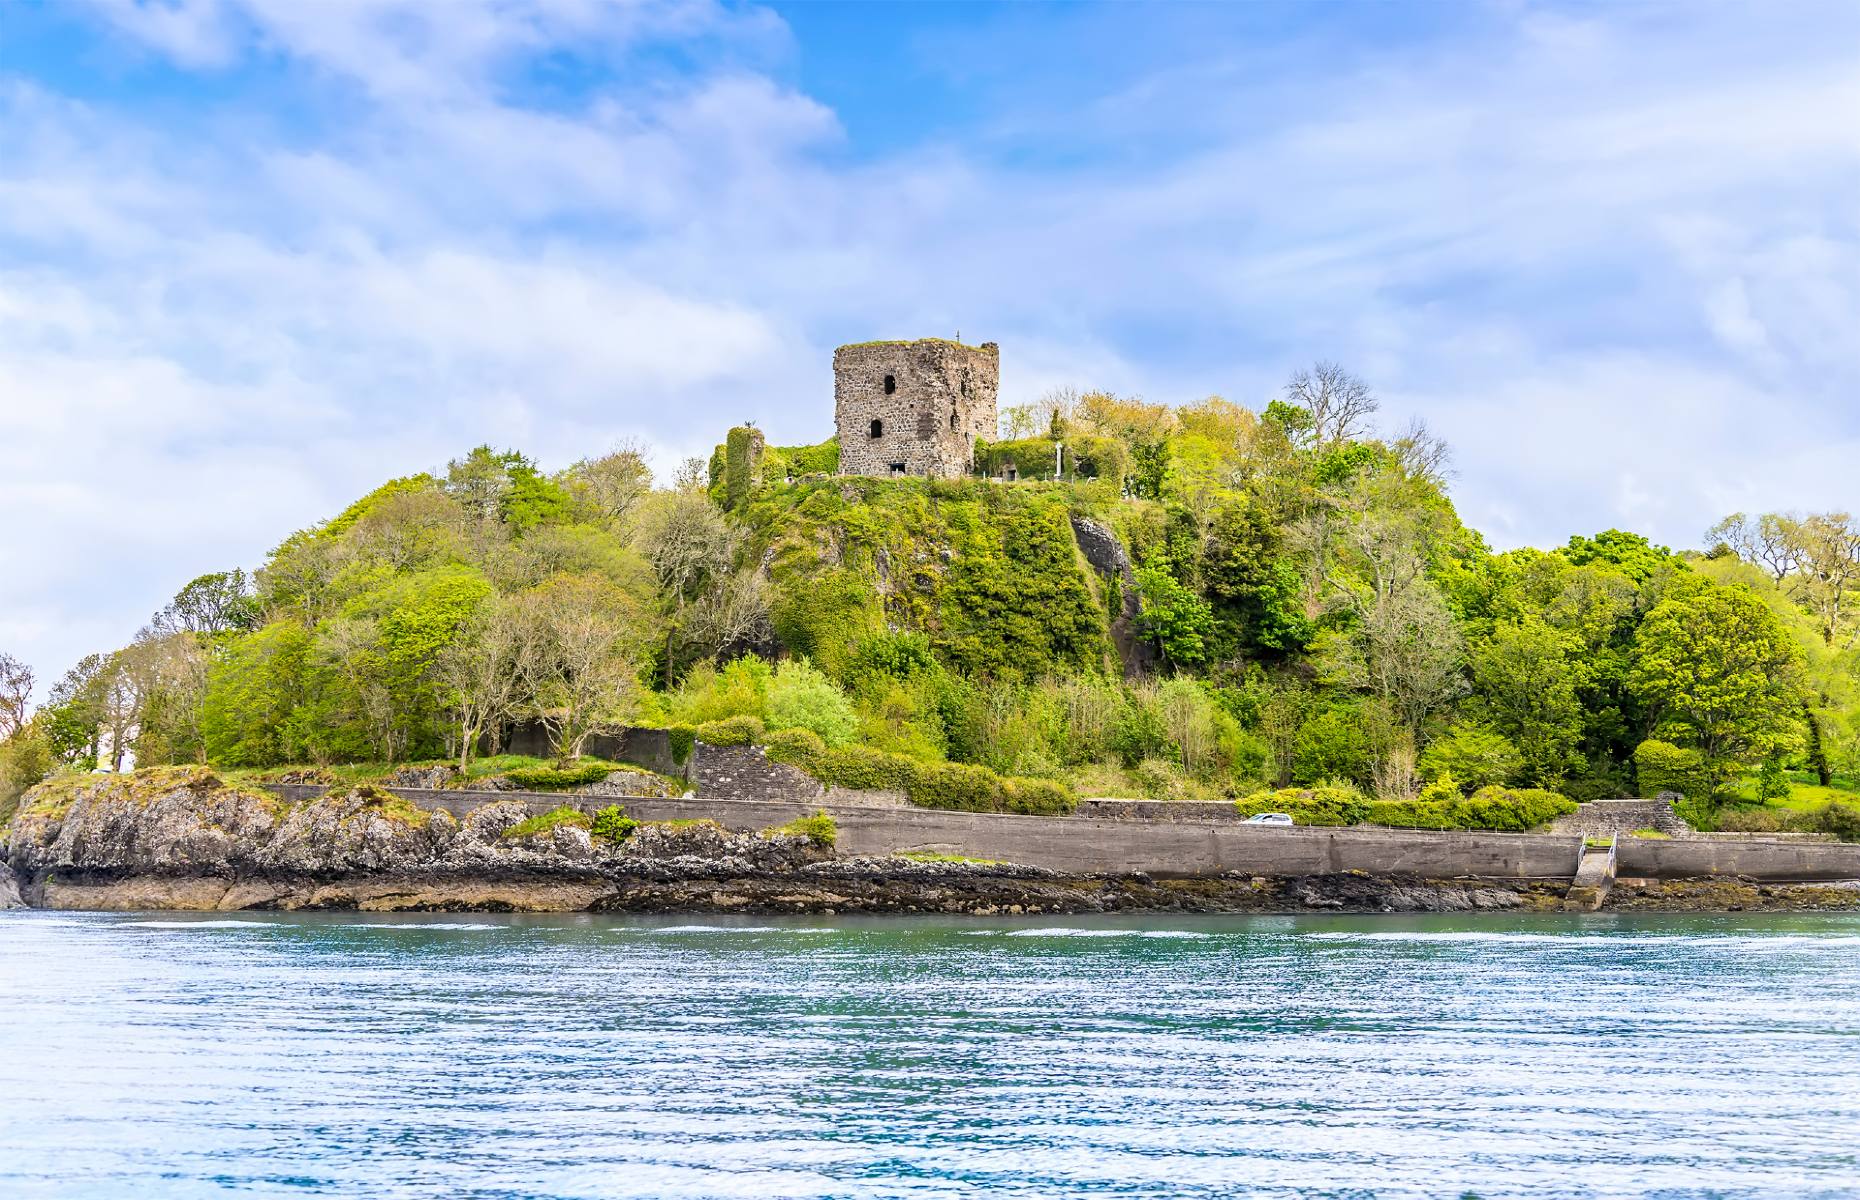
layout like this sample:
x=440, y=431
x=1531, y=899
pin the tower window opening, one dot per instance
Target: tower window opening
x=878, y=429
x=891, y=384
x=897, y=468
x=952, y=420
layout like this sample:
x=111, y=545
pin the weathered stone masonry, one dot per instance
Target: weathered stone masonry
x=914, y=408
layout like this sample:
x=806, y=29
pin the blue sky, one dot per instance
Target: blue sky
x=258, y=255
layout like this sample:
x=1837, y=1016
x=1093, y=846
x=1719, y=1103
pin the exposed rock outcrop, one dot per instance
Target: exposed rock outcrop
x=179, y=838
x=1102, y=549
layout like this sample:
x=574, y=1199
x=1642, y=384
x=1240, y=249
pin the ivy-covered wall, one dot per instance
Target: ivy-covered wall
x=991, y=574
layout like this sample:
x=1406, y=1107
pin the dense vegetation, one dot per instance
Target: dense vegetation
x=1317, y=630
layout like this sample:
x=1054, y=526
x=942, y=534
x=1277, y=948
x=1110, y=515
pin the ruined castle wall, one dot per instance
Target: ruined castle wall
x=942, y=398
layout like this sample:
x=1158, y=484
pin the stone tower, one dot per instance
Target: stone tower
x=913, y=408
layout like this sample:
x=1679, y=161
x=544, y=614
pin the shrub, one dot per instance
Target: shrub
x=709, y=693
x=1410, y=814
x=801, y=697
x=796, y=747
x=557, y=779
x=868, y=770
x=1443, y=790
x=818, y=829
x=1330, y=744
x=1762, y=820
x=1772, y=783
x=1160, y=779
x=731, y=731
x=1476, y=755
x=682, y=737
x=1663, y=767
x=961, y=786
x=1036, y=797
x=1515, y=809
x=1334, y=803
x=613, y=823
x=1491, y=808
x=544, y=822
x=1839, y=818
x=25, y=759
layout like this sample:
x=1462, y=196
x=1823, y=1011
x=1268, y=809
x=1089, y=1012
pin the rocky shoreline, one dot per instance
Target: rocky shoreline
x=180, y=839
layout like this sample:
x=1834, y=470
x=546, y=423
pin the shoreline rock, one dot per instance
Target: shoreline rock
x=180, y=839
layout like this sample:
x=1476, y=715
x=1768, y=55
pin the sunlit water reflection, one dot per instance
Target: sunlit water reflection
x=362, y=1055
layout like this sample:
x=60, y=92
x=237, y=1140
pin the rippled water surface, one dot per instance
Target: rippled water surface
x=567, y=1056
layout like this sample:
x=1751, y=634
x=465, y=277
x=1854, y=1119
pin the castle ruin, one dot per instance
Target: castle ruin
x=914, y=408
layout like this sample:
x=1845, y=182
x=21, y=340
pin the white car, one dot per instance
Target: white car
x=1270, y=819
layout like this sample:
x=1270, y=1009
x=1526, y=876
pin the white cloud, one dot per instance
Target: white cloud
x=1614, y=260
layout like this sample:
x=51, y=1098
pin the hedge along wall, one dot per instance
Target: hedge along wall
x=964, y=787
x=724, y=760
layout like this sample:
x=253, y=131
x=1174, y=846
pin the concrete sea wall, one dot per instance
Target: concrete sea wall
x=1190, y=847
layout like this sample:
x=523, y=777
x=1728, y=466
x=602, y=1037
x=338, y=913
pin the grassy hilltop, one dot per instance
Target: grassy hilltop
x=1318, y=629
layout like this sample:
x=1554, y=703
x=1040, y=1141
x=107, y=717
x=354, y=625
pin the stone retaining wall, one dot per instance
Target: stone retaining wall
x=745, y=773
x=1160, y=810
x=1603, y=817
x=648, y=748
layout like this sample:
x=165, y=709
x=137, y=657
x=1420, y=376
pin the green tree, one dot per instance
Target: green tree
x=1525, y=676
x=1717, y=671
x=1177, y=618
x=209, y=605
x=251, y=716
x=801, y=697
x=1475, y=755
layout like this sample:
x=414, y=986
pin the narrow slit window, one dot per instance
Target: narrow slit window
x=952, y=419
x=878, y=429
x=891, y=384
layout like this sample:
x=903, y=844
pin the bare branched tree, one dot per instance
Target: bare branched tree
x=733, y=615
x=579, y=660
x=1814, y=558
x=15, y=695
x=160, y=679
x=1340, y=404
x=482, y=670
x=1768, y=540
x=1829, y=545
x=1041, y=417
x=616, y=483
x=1423, y=454
x=691, y=549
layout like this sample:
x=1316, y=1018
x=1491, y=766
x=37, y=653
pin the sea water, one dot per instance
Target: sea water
x=165, y=1055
